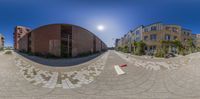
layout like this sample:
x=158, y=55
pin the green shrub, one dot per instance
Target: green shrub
x=8, y=52
x=125, y=49
x=49, y=55
x=139, y=48
x=159, y=53
x=183, y=51
x=1, y=49
x=84, y=54
x=44, y=55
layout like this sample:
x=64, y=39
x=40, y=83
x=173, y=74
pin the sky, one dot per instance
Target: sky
x=117, y=16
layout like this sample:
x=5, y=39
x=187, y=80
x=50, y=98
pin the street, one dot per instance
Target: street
x=175, y=78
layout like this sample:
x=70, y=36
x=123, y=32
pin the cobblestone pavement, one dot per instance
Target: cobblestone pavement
x=175, y=78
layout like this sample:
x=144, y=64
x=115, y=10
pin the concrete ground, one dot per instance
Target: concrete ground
x=175, y=78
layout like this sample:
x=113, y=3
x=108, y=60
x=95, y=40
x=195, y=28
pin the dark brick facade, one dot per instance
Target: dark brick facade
x=61, y=40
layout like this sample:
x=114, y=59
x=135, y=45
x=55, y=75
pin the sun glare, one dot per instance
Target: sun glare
x=100, y=27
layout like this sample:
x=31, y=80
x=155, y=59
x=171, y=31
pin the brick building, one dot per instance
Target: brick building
x=63, y=40
x=19, y=33
x=1, y=41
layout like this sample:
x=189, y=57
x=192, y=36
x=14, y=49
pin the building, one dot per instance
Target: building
x=62, y=40
x=1, y=41
x=128, y=39
x=117, y=42
x=19, y=32
x=154, y=34
x=196, y=39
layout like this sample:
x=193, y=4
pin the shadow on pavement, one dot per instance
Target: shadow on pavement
x=63, y=62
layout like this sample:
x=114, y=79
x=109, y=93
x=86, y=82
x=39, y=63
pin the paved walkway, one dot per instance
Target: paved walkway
x=179, y=79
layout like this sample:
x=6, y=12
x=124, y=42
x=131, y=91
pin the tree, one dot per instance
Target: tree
x=190, y=45
x=125, y=49
x=139, y=48
x=134, y=45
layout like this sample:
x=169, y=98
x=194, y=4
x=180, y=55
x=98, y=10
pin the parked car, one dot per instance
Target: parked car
x=168, y=55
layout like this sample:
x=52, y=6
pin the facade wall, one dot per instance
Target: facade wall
x=103, y=46
x=162, y=33
x=19, y=32
x=117, y=43
x=60, y=40
x=154, y=34
x=198, y=40
x=46, y=40
x=185, y=35
x=98, y=45
x=23, y=43
x=137, y=34
x=82, y=41
x=1, y=41
x=174, y=31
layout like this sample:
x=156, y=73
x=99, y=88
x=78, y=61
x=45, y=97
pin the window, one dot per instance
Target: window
x=20, y=31
x=145, y=38
x=167, y=37
x=175, y=37
x=153, y=37
x=153, y=28
x=153, y=48
x=145, y=30
x=27, y=30
x=137, y=32
x=188, y=33
x=167, y=28
x=174, y=29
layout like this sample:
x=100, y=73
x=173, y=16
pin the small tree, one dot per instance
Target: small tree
x=134, y=44
x=140, y=48
x=178, y=45
x=160, y=53
x=125, y=49
x=1, y=49
x=190, y=45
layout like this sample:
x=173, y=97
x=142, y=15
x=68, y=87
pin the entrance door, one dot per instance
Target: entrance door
x=66, y=41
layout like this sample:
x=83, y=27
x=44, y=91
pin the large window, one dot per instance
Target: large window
x=175, y=37
x=137, y=32
x=167, y=28
x=145, y=30
x=188, y=33
x=153, y=28
x=174, y=29
x=145, y=38
x=167, y=37
x=153, y=37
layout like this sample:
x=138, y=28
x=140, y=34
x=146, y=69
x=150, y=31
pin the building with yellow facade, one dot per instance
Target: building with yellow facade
x=154, y=35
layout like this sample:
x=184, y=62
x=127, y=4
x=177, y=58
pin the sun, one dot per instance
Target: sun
x=100, y=27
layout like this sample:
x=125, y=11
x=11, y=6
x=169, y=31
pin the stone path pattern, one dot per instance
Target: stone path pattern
x=175, y=78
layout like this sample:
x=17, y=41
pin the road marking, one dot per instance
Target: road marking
x=119, y=70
